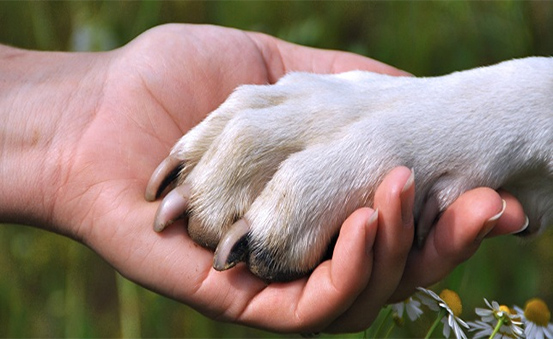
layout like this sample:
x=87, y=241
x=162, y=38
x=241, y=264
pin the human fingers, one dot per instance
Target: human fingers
x=456, y=236
x=394, y=200
x=513, y=220
x=310, y=304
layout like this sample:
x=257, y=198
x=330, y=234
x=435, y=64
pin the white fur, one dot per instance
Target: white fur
x=297, y=157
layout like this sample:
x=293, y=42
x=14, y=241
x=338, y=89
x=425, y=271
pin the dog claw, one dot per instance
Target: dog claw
x=172, y=207
x=163, y=175
x=233, y=246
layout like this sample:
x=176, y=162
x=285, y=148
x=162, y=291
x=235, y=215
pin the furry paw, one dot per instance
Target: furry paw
x=269, y=177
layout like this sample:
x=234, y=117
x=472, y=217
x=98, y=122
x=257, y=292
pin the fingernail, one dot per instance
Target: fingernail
x=371, y=222
x=407, y=197
x=524, y=226
x=490, y=223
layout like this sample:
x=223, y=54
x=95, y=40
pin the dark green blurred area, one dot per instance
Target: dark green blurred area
x=53, y=287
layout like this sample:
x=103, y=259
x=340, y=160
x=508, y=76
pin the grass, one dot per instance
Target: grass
x=53, y=287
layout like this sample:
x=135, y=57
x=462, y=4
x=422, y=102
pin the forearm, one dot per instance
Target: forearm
x=22, y=139
x=37, y=98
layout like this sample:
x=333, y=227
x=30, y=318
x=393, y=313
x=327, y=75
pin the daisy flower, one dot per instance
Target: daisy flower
x=497, y=322
x=410, y=306
x=449, y=306
x=484, y=330
x=536, y=317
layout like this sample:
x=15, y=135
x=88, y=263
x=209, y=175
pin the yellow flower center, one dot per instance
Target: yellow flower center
x=537, y=312
x=505, y=312
x=505, y=309
x=453, y=301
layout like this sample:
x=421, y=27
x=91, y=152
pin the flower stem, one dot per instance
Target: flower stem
x=386, y=317
x=435, y=324
x=500, y=323
x=392, y=326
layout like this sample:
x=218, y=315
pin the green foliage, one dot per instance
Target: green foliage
x=53, y=287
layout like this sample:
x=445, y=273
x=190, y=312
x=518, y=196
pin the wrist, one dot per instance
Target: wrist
x=38, y=109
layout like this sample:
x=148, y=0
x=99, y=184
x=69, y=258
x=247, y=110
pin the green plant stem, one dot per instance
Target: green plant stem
x=497, y=327
x=129, y=314
x=392, y=326
x=386, y=317
x=435, y=324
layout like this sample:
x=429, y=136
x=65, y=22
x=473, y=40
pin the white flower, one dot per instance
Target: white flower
x=448, y=303
x=509, y=322
x=484, y=329
x=536, y=317
x=411, y=306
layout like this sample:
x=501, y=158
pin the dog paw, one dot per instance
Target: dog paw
x=269, y=177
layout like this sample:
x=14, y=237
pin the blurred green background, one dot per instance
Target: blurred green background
x=53, y=287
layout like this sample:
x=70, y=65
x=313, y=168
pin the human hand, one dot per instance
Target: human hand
x=88, y=138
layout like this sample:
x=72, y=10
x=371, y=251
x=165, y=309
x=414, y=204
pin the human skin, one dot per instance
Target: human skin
x=82, y=132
